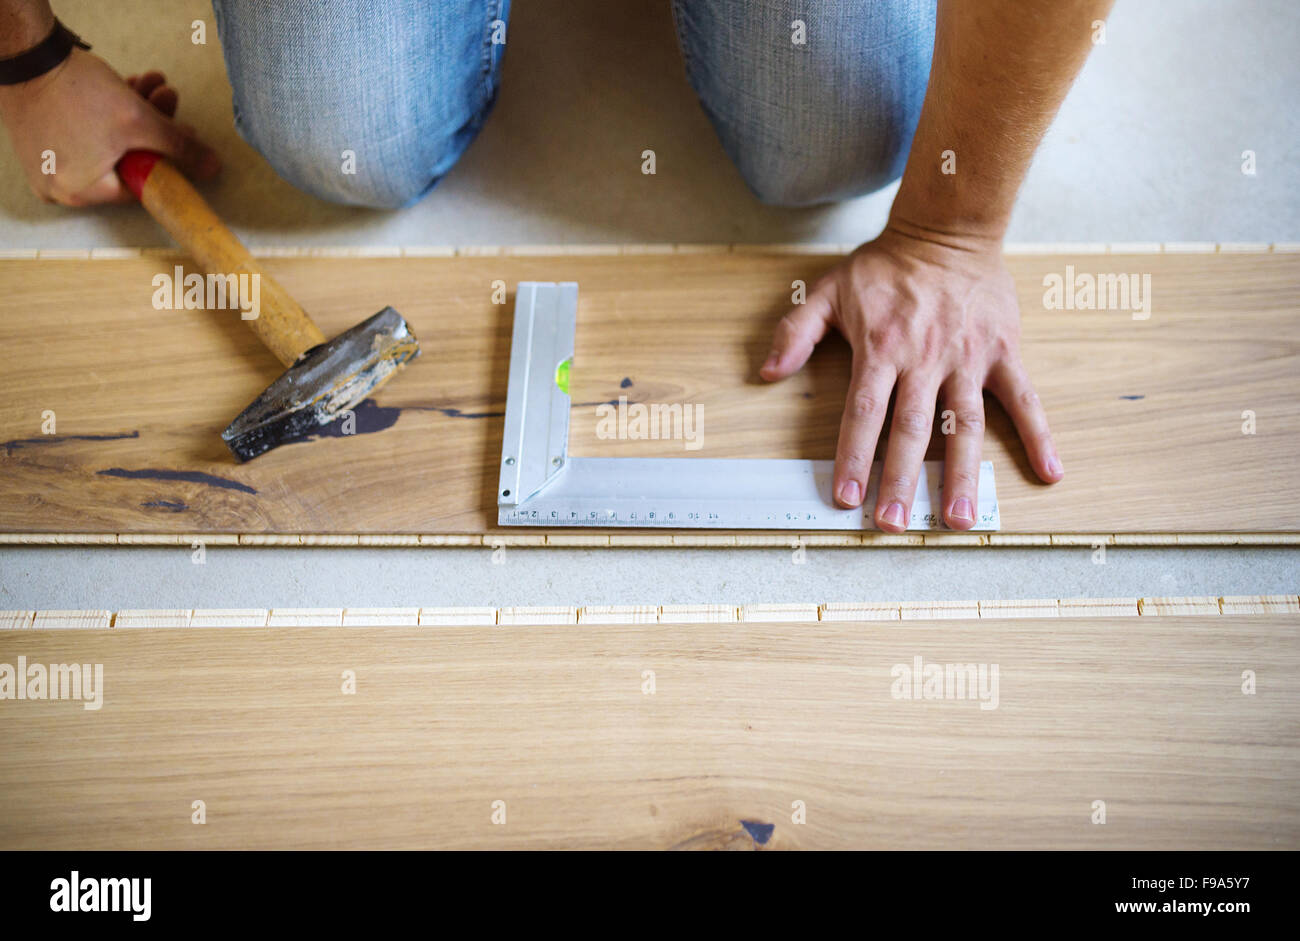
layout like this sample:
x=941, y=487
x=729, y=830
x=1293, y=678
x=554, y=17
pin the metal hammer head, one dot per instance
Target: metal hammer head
x=325, y=382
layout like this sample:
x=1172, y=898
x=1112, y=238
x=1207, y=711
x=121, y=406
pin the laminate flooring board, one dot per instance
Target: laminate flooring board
x=1149, y=414
x=1183, y=730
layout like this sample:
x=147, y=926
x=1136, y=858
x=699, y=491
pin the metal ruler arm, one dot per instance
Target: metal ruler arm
x=741, y=493
x=540, y=485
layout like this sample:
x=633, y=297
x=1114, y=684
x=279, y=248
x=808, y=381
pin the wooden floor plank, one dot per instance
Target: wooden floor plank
x=659, y=735
x=1148, y=414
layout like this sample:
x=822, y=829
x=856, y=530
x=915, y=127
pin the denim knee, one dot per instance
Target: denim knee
x=366, y=105
x=816, y=107
x=816, y=180
x=343, y=161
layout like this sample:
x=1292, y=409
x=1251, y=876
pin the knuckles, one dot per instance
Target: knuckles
x=898, y=485
x=969, y=421
x=786, y=332
x=1003, y=347
x=863, y=406
x=885, y=341
x=913, y=422
x=853, y=463
x=54, y=191
x=963, y=479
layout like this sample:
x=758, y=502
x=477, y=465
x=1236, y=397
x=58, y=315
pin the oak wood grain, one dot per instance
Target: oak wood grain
x=1147, y=414
x=745, y=720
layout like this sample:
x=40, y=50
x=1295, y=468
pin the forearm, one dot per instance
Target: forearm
x=1001, y=70
x=23, y=23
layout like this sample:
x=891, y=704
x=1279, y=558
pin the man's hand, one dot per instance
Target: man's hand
x=936, y=320
x=88, y=117
x=928, y=306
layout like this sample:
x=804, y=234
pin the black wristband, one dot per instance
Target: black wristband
x=42, y=57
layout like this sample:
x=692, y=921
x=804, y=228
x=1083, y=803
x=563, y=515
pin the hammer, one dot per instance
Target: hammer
x=324, y=380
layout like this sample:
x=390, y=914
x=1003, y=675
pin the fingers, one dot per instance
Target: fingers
x=146, y=83
x=961, y=467
x=909, y=436
x=195, y=159
x=1011, y=385
x=164, y=99
x=153, y=88
x=864, y=416
x=796, y=334
x=177, y=141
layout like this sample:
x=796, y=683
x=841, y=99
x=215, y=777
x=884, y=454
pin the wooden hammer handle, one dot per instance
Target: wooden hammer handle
x=281, y=324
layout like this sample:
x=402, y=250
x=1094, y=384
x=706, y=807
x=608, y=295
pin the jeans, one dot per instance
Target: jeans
x=371, y=104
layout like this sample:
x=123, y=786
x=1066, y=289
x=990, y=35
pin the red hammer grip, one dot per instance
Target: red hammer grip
x=134, y=168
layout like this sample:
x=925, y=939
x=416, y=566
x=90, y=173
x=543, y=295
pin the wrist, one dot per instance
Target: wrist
x=977, y=216
x=962, y=206
x=25, y=96
x=943, y=233
x=23, y=26
x=45, y=57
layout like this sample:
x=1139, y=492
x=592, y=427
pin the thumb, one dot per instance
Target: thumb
x=107, y=189
x=194, y=158
x=797, y=333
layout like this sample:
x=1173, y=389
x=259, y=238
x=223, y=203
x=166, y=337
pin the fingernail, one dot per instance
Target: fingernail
x=961, y=510
x=894, y=515
x=1054, y=466
x=851, y=493
x=772, y=359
